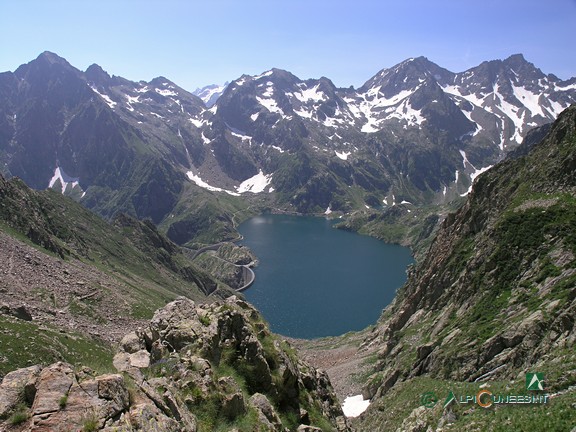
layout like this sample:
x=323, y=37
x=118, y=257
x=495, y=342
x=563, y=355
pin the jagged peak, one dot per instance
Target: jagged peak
x=52, y=58
x=519, y=57
x=96, y=74
x=47, y=61
x=161, y=81
x=518, y=63
x=414, y=68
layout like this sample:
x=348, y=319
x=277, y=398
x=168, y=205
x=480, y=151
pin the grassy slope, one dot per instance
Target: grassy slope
x=133, y=267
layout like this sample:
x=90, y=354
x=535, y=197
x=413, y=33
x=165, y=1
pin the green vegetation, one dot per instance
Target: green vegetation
x=89, y=422
x=402, y=224
x=148, y=269
x=20, y=414
x=63, y=401
x=26, y=343
x=205, y=320
x=201, y=218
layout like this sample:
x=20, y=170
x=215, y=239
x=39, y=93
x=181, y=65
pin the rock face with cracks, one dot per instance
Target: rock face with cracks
x=193, y=368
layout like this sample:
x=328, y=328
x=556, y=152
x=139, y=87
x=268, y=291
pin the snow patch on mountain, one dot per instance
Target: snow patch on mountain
x=204, y=185
x=166, y=93
x=465, y=159
x=270, y=105
x=473, y=177
x=210, y=94
x=64, y=179
x=197, y=123
x=255, y=184
x=343, y=155
x=106, y=98
x=241, y=135
x=277, y=148
x=473, y=98
x=205, y=140
x=265, y=74
x=529, y=100
x=374, y=107
x=310, y=94
x=269, y=90
x=405, y=112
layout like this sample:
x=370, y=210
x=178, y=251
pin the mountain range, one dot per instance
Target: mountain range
x=413, y=133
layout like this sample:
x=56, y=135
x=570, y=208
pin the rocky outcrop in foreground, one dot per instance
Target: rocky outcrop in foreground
x=194, y=368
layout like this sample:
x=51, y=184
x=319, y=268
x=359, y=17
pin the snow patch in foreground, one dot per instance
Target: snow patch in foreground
x=353, y=406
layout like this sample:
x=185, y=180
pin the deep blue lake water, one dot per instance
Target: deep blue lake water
x=313, y=280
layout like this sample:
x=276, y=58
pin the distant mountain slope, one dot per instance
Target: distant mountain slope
x=495, y=296
x=412, y=133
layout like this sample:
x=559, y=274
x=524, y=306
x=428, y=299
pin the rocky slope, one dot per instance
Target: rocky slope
x=70, y=281
x=494, y=298
x=193, y=368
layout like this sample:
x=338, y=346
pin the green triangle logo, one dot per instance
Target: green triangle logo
x=451, y=398
x=534, y=381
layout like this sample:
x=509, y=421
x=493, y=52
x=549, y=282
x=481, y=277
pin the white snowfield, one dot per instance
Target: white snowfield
x=106, y=98
x=255, y=184
x=65, y=179
x=343, y=155
x=353, y=406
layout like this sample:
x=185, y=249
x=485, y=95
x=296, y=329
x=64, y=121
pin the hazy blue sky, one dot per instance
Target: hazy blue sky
x=195, y=43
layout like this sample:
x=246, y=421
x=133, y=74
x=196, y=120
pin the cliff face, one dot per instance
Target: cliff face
x=194, y=368
x=495, y=295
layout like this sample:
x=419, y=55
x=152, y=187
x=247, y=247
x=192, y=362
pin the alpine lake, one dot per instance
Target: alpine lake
x=313, y=280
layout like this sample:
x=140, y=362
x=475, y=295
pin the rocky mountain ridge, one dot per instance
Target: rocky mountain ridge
x=414, y=133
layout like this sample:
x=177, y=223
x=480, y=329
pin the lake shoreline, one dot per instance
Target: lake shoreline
x=315, y=281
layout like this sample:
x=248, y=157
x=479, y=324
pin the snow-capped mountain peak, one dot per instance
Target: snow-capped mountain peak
x=210, y=93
